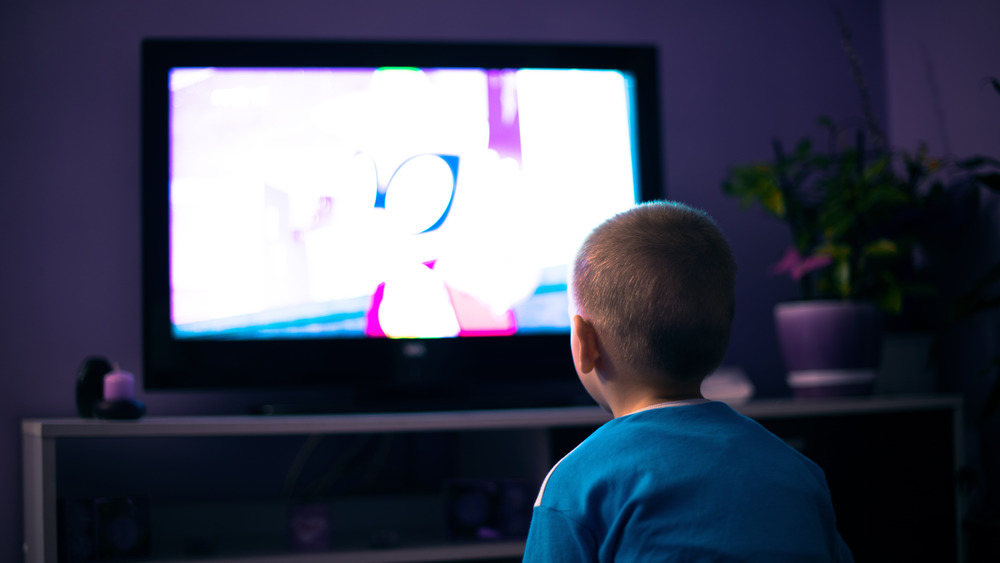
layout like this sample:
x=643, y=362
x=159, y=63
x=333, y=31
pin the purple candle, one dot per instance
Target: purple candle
x=119, y=386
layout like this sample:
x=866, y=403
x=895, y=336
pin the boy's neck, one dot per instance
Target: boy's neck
x=658, y=399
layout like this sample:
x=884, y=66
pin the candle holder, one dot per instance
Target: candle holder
x=119, y=397
x=120, y=409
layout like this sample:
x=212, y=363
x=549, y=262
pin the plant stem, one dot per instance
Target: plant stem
x=859, y=80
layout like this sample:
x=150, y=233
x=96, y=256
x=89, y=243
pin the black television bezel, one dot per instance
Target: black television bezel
x=374, y=374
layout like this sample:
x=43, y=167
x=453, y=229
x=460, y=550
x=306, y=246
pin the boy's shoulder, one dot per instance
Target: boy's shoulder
x=679, y=444
x=675, y=436
x=661, y=427
x=661, y=440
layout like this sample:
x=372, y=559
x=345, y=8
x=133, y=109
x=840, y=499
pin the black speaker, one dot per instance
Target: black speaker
x=90, y=384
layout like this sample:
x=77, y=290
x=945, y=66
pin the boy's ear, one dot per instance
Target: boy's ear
x=587, y=352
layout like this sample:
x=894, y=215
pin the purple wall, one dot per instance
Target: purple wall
x=734, y=74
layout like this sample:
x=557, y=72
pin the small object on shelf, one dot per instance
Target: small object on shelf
x=119, y=397
x=489, y=509
x=89, y=384
x=309, y=527
x=119, y=385
x=728, y=384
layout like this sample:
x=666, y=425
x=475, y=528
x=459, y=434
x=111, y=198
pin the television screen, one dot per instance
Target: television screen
x=318, y=212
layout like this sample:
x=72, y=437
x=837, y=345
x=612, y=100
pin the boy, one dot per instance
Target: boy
x=673, y=477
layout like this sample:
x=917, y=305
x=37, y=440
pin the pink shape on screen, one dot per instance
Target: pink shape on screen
x=504, y=118
x=372, y=328
x=476, y=318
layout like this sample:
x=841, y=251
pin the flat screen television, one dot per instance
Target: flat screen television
x=389, y=224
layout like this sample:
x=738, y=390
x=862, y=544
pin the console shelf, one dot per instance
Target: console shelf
x=441, y=553
x=262, y=425
x=836, y=433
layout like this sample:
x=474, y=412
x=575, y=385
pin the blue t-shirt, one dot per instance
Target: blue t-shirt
x=689, y=482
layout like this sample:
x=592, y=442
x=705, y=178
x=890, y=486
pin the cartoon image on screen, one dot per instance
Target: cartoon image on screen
x=393, y=202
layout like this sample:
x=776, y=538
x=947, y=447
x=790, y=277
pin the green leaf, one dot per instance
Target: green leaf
x=875, y=169
x=825, y=122
x=803, y=150
x=774, y=201
x=891, y=300
x=842, y=277
x=881, y=248
x=839, y=252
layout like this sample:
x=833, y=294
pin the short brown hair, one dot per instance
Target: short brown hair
x=657, y=282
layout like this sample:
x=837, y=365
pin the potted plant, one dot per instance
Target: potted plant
x=836, y=204
x=868, y=225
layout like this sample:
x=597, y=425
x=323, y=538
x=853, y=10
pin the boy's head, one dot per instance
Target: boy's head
x=655, y=286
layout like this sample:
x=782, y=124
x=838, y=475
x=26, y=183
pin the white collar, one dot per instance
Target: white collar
x=665, y=404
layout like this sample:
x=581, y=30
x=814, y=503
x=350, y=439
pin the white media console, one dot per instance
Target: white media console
x=880, y=455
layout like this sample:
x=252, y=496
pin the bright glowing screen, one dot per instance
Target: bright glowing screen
x=394, y=202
